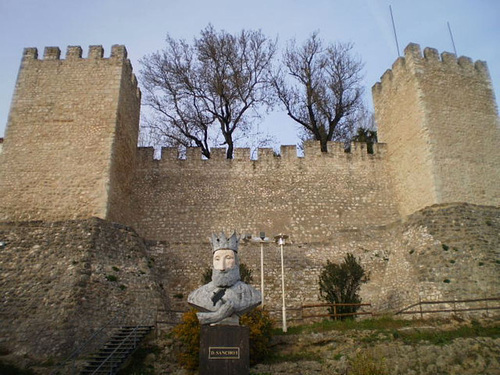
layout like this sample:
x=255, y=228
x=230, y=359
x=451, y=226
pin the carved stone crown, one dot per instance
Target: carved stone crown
x=220, y=242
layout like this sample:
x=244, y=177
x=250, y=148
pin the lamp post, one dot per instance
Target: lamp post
x=281, y=240
x=262, y=239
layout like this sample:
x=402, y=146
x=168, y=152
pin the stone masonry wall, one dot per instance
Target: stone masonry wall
x=440, y=121
x=444, y=252
x=440, y=253
x=61, y=134
x=61, y=281
x=309, y=198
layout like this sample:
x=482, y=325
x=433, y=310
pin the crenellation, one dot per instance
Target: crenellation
x=336, y=149
x=431, y=54
x=217, y=153
x=30, y=54
x=449, y=58
x=193, y=154
x=359, y=149
x=379, y=149
x=413, y=52
x=145, y=155
x=169, y=153
x=95, y=52
x=311, y=149
x=242, y=153
x=482, y=68
x=386, y=79
x=51, y=53
x=118, y=52
x=466, y=63
x=265, y=154
x=288, y=152
x=399, y=65
x=73, y=52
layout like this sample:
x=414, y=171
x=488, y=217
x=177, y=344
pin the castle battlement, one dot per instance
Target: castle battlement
x=415, y=62
x=336, y=151
x=74, y=55
x=118, y=52
x=436, y=115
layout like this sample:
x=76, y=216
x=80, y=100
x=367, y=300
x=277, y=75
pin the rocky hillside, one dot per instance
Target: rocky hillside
x=383, y=347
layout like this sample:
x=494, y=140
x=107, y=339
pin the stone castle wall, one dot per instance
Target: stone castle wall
x=309, y=198
x=71, y=134
x=439, y=117
x=444, y=252
x=62, y=281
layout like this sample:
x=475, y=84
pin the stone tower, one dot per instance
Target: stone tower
x=439, y=117
x=71, y=136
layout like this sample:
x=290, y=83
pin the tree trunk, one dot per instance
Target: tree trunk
x=323, y=144
x=230, y=149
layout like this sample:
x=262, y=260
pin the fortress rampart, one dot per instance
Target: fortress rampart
x=309, y=197
x=439, y=117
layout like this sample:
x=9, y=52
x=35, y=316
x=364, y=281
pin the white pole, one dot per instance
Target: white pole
x=262, y=271
x=283, y=287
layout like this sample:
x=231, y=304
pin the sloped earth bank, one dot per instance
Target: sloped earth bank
x=421, y=348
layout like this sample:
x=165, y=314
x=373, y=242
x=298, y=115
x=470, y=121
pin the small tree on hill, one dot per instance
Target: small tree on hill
x=340, y=283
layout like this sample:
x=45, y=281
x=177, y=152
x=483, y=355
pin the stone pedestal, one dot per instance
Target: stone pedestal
x=224, y=350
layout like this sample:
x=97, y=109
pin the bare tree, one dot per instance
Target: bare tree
x=320, y=88
x=212, y=87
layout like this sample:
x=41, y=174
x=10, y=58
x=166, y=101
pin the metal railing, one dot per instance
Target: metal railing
x=454, y=309
x=335, y=306
x=98, y=337
x=112, y=354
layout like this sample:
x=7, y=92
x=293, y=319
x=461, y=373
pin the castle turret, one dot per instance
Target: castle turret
x=71, y=136
x=439, y=117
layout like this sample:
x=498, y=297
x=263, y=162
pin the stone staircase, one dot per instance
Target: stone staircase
x=116, y=350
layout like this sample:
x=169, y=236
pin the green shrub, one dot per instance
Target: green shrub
x=261, y=328
x=111, y=278
x=340, y=283
x=188, y=335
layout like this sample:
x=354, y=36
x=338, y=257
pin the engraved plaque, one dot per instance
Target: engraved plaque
x=220, y=352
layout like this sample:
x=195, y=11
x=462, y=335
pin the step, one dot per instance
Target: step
x=116, y=350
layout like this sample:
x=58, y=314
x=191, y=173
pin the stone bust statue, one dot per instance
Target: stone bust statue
x=224, y=299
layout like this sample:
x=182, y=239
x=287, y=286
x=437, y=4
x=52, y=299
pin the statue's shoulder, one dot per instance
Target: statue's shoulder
x=200, y=296
x=240, y=286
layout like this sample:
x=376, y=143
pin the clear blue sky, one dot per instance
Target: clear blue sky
x=142, y=25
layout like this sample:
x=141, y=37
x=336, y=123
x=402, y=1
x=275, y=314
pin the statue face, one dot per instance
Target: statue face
x=224, y=259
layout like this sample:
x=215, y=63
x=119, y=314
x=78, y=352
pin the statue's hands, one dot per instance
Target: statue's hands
x=224, y=309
